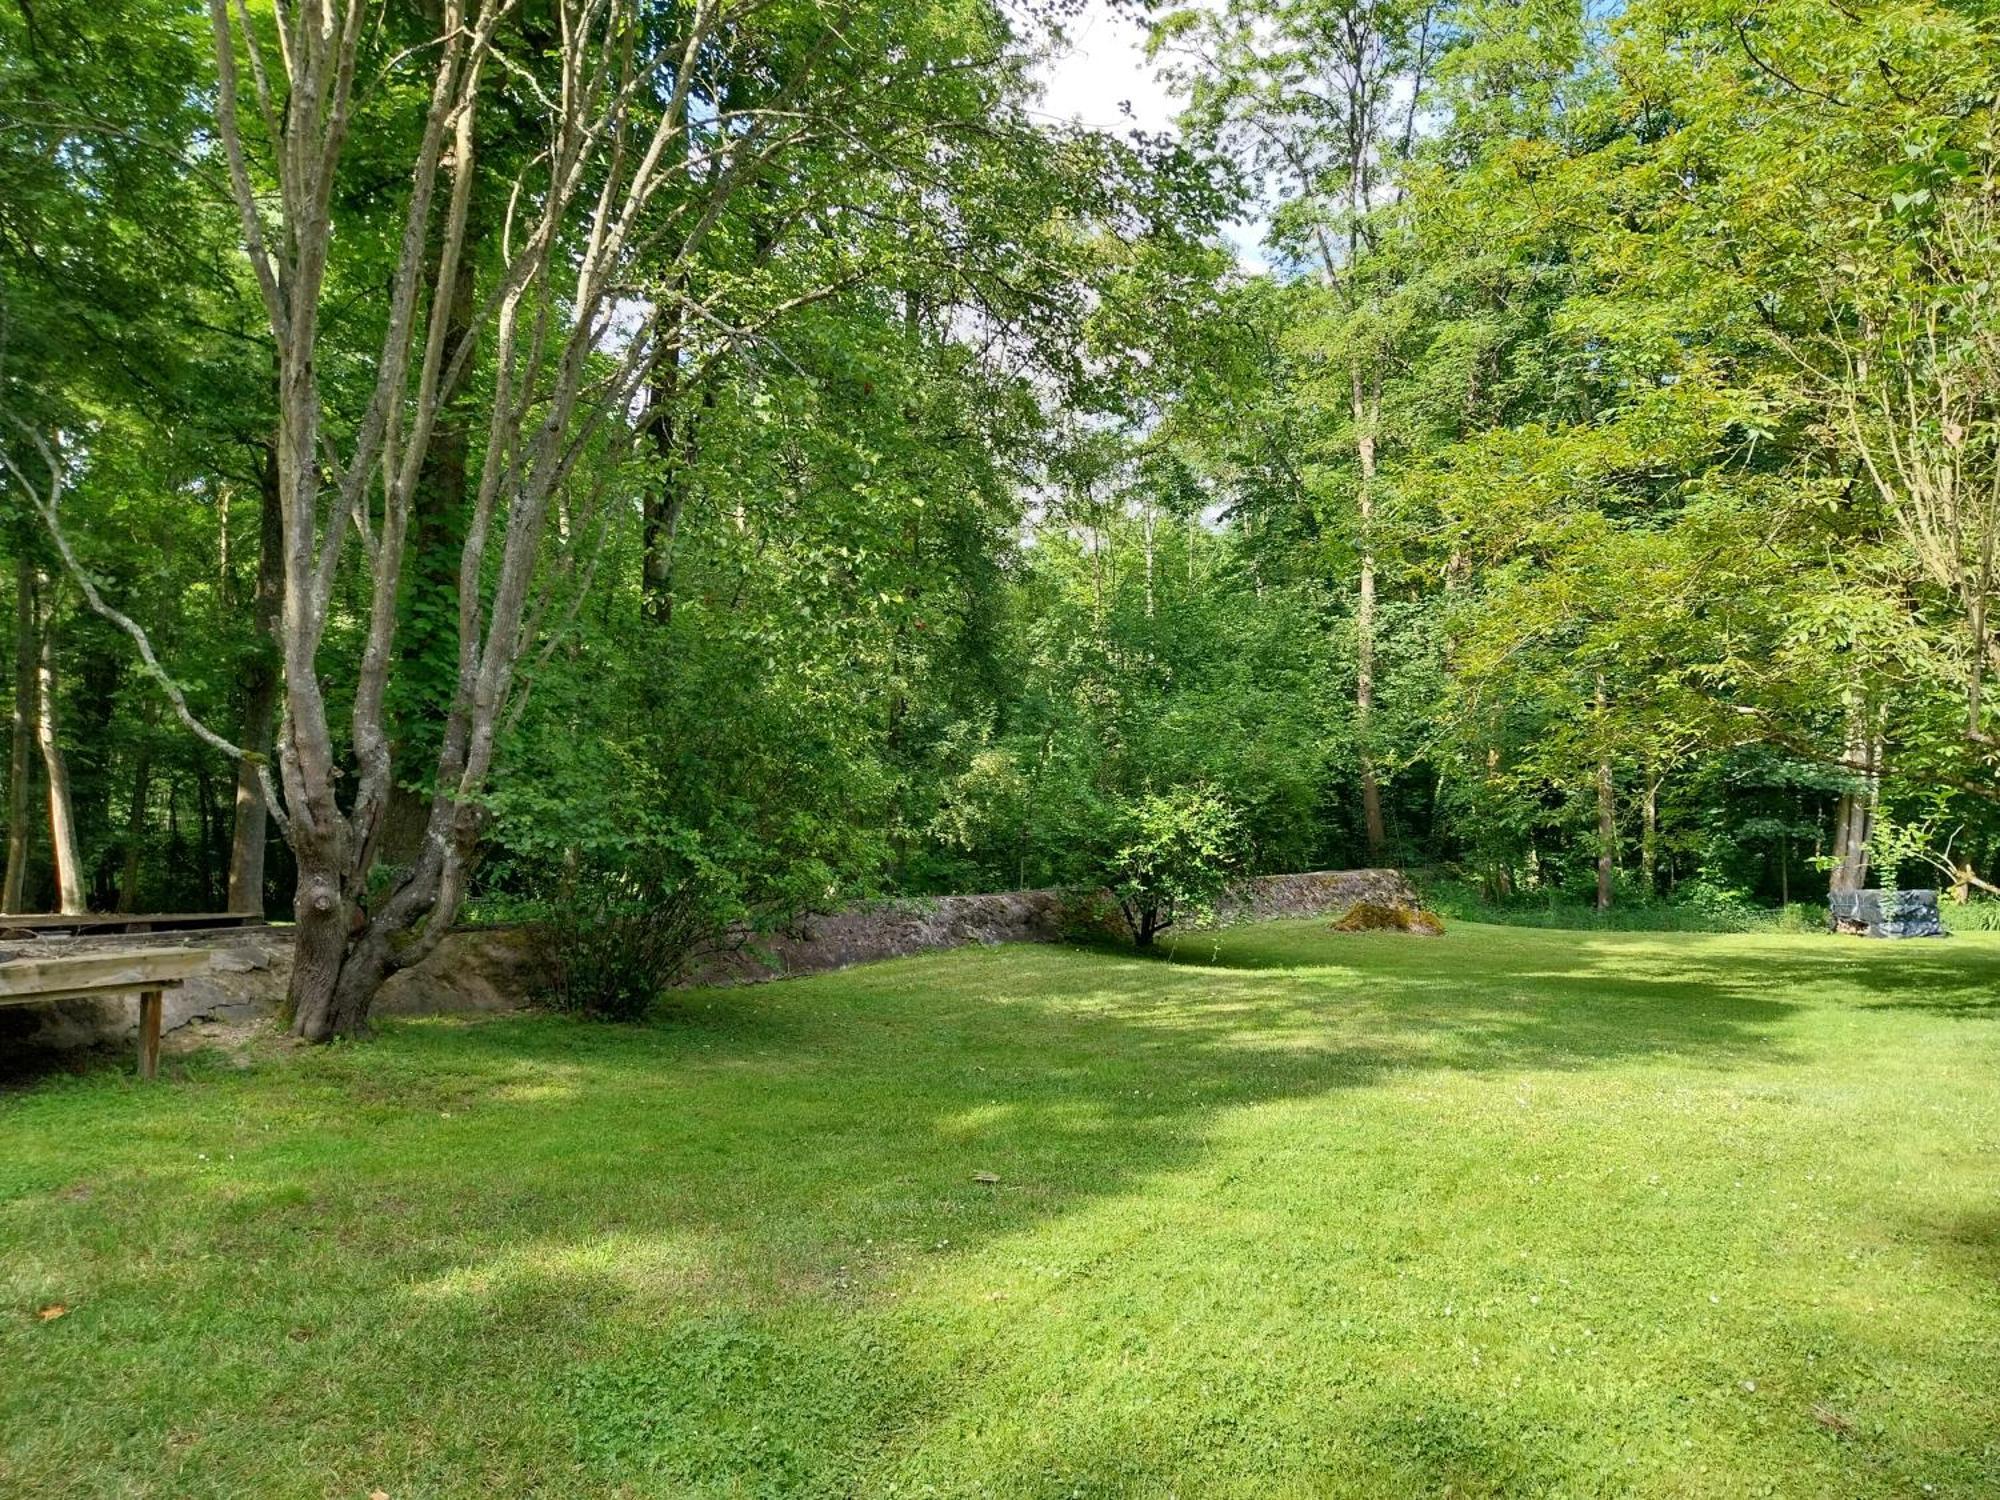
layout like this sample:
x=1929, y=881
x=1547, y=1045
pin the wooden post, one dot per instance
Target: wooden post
x=150, y=1007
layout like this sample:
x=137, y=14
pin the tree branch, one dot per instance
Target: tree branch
x=46, y=503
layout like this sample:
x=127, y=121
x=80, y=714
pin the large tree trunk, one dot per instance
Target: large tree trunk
x=320, y=948
x=251, y=832
x=21, y=766
x=1364, y=624
x=1607, y=809
x=55, y=765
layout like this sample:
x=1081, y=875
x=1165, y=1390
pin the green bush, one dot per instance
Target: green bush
x=617, y=941
x=1970, y=916
x=1175, y=855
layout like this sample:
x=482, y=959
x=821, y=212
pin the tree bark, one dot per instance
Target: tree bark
x=1649, y=838
x=251, y=831
x=62, y=811
x=135, y=821
x=1148, y=527
x=1855, y=815
x=675, y=447
x=1607, y=808
x=20, y=770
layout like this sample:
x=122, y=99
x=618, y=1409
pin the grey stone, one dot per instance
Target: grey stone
x=1885, y=914
x=472, y=969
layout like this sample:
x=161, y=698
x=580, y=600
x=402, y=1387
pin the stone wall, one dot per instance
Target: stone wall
x=1316, y=893
x=898, y=928
x=501, y=968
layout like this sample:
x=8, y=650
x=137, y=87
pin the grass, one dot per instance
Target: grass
x=1510, y=1212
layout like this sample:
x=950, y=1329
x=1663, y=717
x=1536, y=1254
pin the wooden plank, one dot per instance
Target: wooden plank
x=81, y=992
x=150, y=1006
x=119, y=968
x=104, y=921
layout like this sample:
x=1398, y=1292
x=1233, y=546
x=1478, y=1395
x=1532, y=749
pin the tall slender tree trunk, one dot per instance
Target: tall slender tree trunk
x=1148, y=529
x=1607, y=807
x=21, y=765
x=1854, y=818
x=1364, y=624
x=1499, y=877
x=55, y=765
x=135, y=821
x=675, y=446
x=1649, y=837
x=209, y=822
x=251, y=832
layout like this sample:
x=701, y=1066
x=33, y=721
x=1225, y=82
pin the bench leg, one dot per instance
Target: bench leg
x=149, y=1033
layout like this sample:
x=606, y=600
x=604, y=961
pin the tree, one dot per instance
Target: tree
x=1321, y=99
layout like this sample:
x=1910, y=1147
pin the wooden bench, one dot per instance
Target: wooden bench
x=147, y=972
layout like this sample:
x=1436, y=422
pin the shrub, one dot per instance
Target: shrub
x=1176, y=856
x=617, y=941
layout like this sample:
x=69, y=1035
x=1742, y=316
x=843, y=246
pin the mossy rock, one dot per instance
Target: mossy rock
x=1385, y=916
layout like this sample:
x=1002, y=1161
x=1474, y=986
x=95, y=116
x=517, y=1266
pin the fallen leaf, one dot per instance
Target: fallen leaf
x=991, y=1179
x=53, y=1311
x=378, y=1495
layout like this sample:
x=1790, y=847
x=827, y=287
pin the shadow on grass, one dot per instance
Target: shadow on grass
x=671, y=1253
x=1917, y=974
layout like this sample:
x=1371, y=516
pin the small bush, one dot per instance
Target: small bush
x=616, y=942
x=1387, y=916
x=1968, y=916
x=1177, y=852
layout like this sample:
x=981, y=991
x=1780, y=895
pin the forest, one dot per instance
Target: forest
x=715, y=459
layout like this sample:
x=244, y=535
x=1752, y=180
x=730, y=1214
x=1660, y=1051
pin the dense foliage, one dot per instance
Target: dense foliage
x=1595, y=491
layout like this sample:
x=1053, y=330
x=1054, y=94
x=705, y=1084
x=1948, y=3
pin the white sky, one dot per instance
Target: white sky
x=1105, y=70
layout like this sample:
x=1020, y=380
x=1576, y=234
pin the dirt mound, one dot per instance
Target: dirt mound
x=1387, y=916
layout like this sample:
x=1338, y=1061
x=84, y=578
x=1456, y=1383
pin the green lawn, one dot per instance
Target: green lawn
x=1511, y=1212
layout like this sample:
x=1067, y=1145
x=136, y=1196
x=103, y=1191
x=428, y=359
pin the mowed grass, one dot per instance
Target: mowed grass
x=1512, y=1212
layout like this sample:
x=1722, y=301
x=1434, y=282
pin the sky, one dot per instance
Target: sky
x=1105, y=69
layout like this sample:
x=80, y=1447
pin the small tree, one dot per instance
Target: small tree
x=1175, y=855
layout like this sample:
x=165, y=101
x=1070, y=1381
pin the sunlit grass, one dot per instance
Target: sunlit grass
x=1508, y=1212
